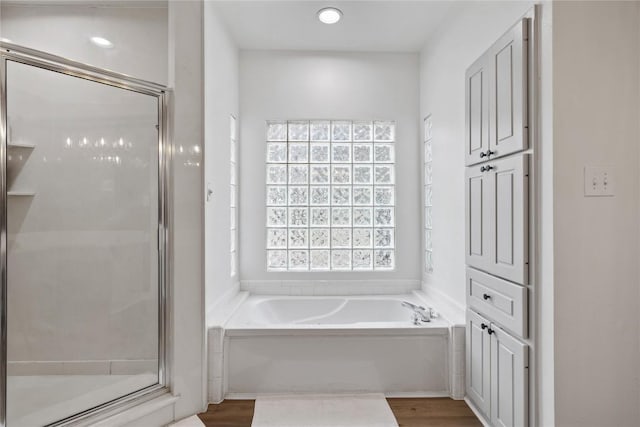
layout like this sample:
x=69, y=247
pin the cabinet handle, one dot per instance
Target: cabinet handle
x=483, y=326
x=487, y=154
x=486, y=296
x=490, y=331
x=486, y=168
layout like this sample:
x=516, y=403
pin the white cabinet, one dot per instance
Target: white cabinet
x=497, y=372
x=497, y=218
x=496, y=99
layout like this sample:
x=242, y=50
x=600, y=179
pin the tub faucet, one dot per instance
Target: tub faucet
x=420, y=314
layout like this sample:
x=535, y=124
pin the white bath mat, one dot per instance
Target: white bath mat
x=364, y=410
x=192, y=421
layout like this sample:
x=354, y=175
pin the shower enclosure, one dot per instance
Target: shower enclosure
x=84, y=240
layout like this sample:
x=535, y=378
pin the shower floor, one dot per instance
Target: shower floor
x=42, y=399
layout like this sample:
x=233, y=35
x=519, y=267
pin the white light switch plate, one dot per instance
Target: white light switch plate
x=599, y=181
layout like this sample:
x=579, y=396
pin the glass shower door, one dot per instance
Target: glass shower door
x=84, y=309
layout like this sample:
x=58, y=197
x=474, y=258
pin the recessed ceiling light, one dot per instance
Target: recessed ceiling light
x=101, y=41
x=329, y=15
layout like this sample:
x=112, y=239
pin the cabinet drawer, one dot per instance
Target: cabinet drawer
x=499, y=300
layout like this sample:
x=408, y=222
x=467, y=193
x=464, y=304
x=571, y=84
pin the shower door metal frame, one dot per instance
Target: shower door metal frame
x=57, y=64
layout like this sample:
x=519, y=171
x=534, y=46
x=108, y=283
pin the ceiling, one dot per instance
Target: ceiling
x=383, y=26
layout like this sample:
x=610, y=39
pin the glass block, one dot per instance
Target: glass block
x=341, y=260
x=298, y=174
x=341, y=131
x=276, y=217
x=232, y=173
x=428, y=154
x=232, y=196
x=362, y=238
x=320, y=260
x=298, y=217
x=341, y=196
x=428, y=173
x=276, y=131
x=232, y=151
x=341, y=217
x=298, y=131
x=383, y=174
x=362, y=217
x=428, y=217
x=298, y=260
x=383, y=238
x=320, y=238
x=362, y=196
x=276, y=196
x=319, y=196
x=384, y=131
x=340, y=237
x=362, y=153
x=428, y=240
x=384, y=259
x=298, y=196
x=341, y=153
x=320, y=217
x=384, y=217
x=429, y=261
x=319, y=174
x=319, y=153
x=277, y=153
x=320, y=131
x=233, y=264
x=362, y=259
x=384, y=153
x=276, y=238
x=341, y=174
x=362, y=131
x=298, y=238
x=232, y=218
x=428, y=195
x=384, y=196
x=428, y=128
x=363, y=174
x=276, y=260
x=298, y=153
x=232, y=242
x=276, y=174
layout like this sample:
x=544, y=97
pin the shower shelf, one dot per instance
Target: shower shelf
x=21, y=193
x=21, y=145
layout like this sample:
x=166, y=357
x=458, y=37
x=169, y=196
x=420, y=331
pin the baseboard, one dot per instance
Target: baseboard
x=399, y=395
x=329, y=287
x=82, y=367
x=477, y=413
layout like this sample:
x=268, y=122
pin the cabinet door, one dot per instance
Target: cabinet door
x=509, y=380
x=509, y=218
x=478, y=217
x=477, y=113
x=508, y=110
x=478, y=363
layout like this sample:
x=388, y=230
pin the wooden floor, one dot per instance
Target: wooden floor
x=441, y=412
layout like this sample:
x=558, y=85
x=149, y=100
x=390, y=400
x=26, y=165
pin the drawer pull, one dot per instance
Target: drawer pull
x=483, y=326
x=490, y=331
x=486, y=296
x=486, y=168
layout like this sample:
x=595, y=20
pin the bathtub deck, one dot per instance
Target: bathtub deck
x=436, y=412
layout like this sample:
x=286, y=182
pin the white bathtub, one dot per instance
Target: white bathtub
x=276, y=344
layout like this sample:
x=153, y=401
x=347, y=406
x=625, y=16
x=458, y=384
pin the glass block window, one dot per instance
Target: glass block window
x=428, y=195
x=330, y=195
x=233, y=194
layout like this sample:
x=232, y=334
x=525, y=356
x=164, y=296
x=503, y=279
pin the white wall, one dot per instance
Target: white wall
x=596, y=109
x=139, y=34
x=221, y=101
x=319, y=85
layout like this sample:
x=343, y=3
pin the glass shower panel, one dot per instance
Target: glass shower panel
x=83, y=293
